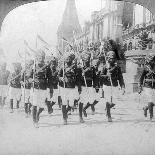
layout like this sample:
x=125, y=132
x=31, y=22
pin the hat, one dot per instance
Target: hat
x=70, y=57
x=150, y=57
x=111, y=54
x=86, y=56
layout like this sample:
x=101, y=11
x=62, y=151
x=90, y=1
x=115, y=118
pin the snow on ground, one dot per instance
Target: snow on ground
x=129, y=133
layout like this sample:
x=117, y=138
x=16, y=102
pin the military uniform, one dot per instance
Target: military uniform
x=15, y=86
x=147, y=84
x=26, y=87
x=39, y=79
x=88, y=93
x=111, y=77
x=69, y=86
x=53, y=81
x=4, y=74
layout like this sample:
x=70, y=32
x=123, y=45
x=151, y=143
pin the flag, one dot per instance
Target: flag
x=41, y=39
x=32, y=50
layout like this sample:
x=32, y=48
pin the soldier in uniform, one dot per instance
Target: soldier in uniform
x=40, y=85
x=4, y=74
x=26, y=86
x=69, y=87
x=54, y=92
x=88, y=94
x=15, y=85
x=111, y=77
x=147, y=84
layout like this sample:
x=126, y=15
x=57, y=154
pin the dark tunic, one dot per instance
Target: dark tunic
x=147, y=78
x=41, y=77
x=90, y=77
x=72, y=77
x=116, y=76
x=27, y=75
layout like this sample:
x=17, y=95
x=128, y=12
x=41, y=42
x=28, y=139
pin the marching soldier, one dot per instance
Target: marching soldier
x=4, y=74
x=88, y=94
x=111, y=77
x=54, y=92
x=69, y=87
x=40, y=85
x=15, y=86
x=26, y=86
x=147, y=84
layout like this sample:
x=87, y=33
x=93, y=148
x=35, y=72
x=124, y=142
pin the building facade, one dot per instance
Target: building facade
x=142, y=28
x=106, y=23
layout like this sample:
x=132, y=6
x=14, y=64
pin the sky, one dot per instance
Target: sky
x=43, y=18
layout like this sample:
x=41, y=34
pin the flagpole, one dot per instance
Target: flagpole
x=63, y=63
x=24, y=74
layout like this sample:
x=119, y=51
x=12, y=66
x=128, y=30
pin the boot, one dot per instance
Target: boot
x=108, y=113
x=26, y=109
x=112, y=105
x=29, y=108
x=150, y=107
x=85, y=108
x=93, y=107
x=38, y=113
x=145, y=110
x=49, y=107
x=11, y=105
x=59, y=101
x=34, y=114
x=75, y=104
x=69, y=110
x=64, y=113
x=80, y=112
x=17, y=106
x=102, y=94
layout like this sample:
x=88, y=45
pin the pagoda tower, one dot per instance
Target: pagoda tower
x=69, y=25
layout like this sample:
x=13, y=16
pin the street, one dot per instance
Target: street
x=129, y=133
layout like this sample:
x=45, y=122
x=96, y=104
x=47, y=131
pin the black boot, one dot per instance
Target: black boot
x=17, y=106
x=85, y=108
x=49, y=107
x=150, y=107
x=34, y=114
x=93, y=106
x=108, y=113
x=80, y=112
x=11, y=105
x=145, y=110
x=26, y=109
x=69, y=110
x=64, y=113
x=59, y=102
x=75, y=104
x=38, y=113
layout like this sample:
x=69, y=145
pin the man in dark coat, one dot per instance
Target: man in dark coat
x=111, y=77
x=69, y=86
x=15, y=85
x=147, y=84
